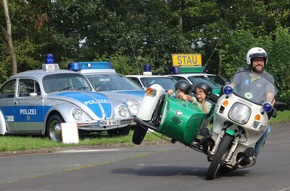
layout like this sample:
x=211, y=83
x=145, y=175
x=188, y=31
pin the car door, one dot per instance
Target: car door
x=7, y=96
x=28, y=107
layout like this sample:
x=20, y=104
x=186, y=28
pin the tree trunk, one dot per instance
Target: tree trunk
x=8, y=36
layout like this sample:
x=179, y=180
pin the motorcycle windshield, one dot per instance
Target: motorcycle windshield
x=254, y=87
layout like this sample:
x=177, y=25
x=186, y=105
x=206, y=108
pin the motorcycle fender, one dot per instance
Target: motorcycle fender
x=230, y=132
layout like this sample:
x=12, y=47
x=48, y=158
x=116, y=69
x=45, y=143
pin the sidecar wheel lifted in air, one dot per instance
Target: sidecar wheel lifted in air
x=218, y=158
x=139, y=134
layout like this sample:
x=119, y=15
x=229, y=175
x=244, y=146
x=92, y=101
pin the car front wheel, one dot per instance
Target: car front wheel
x=53, y=128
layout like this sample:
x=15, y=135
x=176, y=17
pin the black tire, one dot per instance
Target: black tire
x=218, y=159
x=120, y=132
x=125, y=130
x=53, y=128
x=138, y=134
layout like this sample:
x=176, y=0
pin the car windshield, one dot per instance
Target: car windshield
x=111, y=82
x=254, y=87
x=209, y=79
x=166, y=82
x=65, y=81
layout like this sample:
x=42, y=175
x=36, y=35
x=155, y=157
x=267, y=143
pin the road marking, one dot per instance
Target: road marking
x=87, y=150
x=284, y=189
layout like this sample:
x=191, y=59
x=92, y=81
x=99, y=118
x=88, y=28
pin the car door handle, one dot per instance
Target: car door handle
x=16, y=102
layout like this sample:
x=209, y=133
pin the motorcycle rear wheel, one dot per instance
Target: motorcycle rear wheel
x=138, y=134
x=218, y=159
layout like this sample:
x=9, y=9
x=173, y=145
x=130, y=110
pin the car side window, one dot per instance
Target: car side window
x=8, y=89
x=27, y=86
x=176, y=78
x=136, y=80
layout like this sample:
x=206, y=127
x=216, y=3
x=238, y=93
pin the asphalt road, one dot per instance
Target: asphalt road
x=145, y=168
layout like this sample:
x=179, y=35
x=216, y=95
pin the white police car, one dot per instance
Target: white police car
x=148, y=79
x=36, y=102
x=145, y=81
x=105, y=80
x=195, y=75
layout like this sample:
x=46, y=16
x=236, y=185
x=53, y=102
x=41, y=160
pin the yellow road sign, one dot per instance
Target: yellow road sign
x=186, y=60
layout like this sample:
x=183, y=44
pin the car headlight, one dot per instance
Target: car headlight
x=78, y=114
x=132, y=104
x=240, y=113
x=123, y=111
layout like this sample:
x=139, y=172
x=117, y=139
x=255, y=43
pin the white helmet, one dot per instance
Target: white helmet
x=256, y=52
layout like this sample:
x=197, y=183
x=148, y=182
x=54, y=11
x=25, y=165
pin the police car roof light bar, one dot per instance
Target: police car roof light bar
x=77, y=66
x=186, y=69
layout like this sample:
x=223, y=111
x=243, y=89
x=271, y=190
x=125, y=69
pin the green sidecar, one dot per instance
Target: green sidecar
x=177, y=119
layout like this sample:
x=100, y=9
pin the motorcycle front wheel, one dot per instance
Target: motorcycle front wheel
x=218, y=159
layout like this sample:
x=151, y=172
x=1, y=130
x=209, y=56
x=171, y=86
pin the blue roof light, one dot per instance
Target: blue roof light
x=49, y=59
x=147, y=68
x=74, y=66
x=228, y=89
x=77, y=66
x=174, y=70
x=267, y=107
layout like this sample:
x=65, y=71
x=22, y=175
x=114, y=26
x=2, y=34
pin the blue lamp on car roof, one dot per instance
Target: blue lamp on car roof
x=147, y=70
x=50, y=65
x=174, y=70
x=49, y=59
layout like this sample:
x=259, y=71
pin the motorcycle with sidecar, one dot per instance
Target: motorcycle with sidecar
x=227, y=134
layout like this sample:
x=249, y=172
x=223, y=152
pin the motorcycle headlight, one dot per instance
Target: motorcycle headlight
x=123, y=111
x=132, y=104
x=78, y=114
x=240, y=113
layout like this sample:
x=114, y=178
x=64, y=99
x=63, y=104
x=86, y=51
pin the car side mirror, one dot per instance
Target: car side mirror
x=280, y=106
x=221, y=80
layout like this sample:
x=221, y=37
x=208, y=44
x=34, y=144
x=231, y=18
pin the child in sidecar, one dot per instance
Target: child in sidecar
x=182, y=90
x=202, y=90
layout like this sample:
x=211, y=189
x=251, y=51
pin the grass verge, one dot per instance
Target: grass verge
x=20, y=143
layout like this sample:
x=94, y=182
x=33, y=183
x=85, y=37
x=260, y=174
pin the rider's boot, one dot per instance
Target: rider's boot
x=249, y=157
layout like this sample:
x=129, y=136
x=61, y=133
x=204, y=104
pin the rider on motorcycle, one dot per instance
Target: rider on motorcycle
x=256, y=59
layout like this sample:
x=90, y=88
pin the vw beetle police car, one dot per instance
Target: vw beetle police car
x=38, y=101
x=107, y=81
